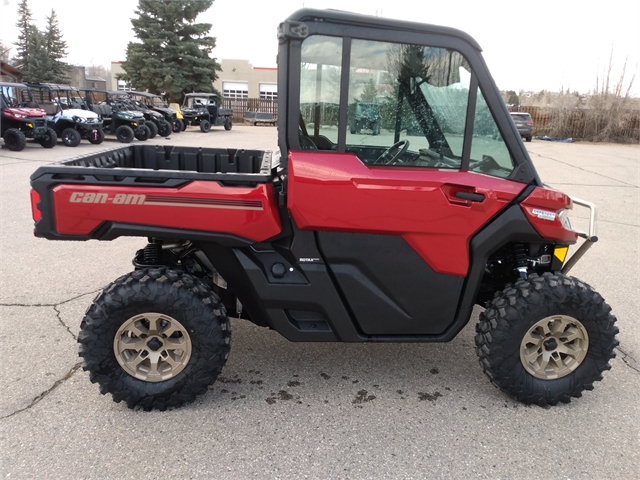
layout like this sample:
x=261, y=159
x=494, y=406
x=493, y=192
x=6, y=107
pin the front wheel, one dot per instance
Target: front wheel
x=124, y=134
x=205, y=126
x=49, y=139
x=143, y=133
x=15, y=140
x=546, y=339
x=96, y=136
x=71, y=137
x=155, y=338
x=164, y=129
x=153, y=129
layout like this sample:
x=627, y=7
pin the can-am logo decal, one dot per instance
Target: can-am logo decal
x=544, y=215
x=164, y=201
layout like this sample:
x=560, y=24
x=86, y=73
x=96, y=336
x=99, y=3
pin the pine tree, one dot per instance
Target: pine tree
x=21, y=60
x=38, y=64
x=173, y=53
x=56, y=49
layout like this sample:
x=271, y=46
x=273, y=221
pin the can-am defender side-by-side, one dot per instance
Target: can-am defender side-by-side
x=154, y=121
x=203, y=109
x=343, y=237
x=157, y=104
x=118, y=117
x=70, y=123
x=23, y=118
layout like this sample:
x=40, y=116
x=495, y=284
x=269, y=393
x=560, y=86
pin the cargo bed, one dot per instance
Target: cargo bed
x=147, y=190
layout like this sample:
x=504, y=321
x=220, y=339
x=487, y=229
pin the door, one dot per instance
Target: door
x=422, y=169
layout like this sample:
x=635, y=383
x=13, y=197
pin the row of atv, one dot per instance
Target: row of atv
x=45, y=112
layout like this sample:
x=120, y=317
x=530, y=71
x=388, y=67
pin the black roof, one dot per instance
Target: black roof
x=357, y=19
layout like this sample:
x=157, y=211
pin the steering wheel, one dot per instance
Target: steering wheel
x=391, y=154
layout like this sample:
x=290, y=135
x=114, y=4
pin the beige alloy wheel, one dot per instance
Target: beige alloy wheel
x=152, y=347
x=554, y=347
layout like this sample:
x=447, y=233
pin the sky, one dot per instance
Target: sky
x=529, y=45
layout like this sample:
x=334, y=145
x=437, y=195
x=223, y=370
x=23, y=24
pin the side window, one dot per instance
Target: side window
x=320, y=92
x=407, y=106
x=489, y=153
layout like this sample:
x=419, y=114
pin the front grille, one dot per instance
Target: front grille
x=39, y=122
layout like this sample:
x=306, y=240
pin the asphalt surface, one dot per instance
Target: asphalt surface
x=286, y=410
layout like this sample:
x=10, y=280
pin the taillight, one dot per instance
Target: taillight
x=530, y=123
x=35, y=212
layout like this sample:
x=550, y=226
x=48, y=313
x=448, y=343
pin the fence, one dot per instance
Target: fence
x=581, y=123
x=242, y=105
x=584, y=123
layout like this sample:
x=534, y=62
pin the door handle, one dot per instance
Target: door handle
x=472, y=197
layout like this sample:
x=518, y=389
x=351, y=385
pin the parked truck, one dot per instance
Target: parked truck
x=339, y=237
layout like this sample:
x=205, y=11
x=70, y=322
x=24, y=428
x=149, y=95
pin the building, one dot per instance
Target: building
x=9, y=73
x=238, y=79
x=78, y=78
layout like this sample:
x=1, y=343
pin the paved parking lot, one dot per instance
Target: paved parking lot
x=286, y=410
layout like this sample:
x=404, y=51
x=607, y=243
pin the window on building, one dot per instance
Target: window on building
x=235, y=89
x=268, y=91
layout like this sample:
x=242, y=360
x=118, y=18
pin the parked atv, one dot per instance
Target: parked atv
x=181, y=124
x=23, y=118
x=365, y=115
x=203, y=109
x=154, y=121
x=155, y=103
x=343, y=237
x=118, y=117
x=70, y=124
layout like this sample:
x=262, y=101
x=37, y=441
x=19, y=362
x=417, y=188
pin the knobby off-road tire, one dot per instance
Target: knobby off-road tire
x=546, y=339
x=228, y=124
x=71, y=137
x=143, y=133
x=124, y=134
x=49, y=140
x=96, y=136
x=124, y=334
x=164, y=129
x=15, y=140
x=153, y=129
x=205, y=126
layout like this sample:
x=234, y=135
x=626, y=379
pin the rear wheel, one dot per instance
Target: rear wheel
x=71, y=137
x=96, y=136
x=142, y=133
x=15, y=140
x=153, y=129
x=228, y=124
x=528, y=139
x=176, y=126
x=124, y=134
x=546, y=339
x=49, y=140
x=205, y=126
x=155, y=338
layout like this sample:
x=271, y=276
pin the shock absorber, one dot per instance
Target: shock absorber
x=520, y=259
x=152, y=253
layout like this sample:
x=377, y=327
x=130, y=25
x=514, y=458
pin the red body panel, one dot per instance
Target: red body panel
x=538, y=206
x=337, y=192
x=27, y=112
x=200, y=205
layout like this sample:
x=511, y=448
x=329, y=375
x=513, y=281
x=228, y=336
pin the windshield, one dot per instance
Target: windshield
x=18, y=96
